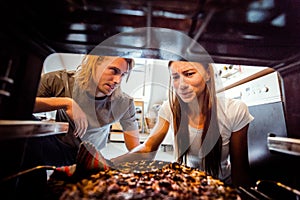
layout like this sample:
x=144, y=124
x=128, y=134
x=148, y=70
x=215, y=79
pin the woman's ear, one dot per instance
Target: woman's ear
x=209, y=71
x=207, y=78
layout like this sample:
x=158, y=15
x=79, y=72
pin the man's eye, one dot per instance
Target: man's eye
x=175, y=77
x=114, y=71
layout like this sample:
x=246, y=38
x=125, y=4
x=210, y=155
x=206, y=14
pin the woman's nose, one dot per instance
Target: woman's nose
x=182, y=83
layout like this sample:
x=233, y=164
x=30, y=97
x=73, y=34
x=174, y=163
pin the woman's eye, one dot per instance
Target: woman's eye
x=188, y=74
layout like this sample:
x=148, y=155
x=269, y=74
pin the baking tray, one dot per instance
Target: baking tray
x=13, y=129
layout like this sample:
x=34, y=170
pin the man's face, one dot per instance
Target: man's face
x=109, y=75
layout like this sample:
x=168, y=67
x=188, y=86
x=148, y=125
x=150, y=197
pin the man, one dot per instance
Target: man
x=91, y=100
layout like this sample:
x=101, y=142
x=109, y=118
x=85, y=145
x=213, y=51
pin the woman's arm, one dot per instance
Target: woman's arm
x=45, y=104
x=147, y=150
x=131, y=139
x=240, y=169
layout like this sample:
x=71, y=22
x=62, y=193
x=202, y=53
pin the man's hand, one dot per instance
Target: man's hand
x=74, y=111
x=45, y=104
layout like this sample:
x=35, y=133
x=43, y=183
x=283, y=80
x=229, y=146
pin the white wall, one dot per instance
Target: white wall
x=148, y=81
x=57, y=61
x=160, y=82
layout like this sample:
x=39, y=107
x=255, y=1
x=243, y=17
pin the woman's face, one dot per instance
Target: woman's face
x=109, y=74
x=188, y=79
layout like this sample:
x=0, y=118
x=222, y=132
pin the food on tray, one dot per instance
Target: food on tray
x=143, y=180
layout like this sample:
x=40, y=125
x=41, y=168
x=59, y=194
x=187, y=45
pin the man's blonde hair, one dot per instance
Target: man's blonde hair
x=87, y=70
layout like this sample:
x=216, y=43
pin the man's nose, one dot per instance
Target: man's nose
x=117, y=79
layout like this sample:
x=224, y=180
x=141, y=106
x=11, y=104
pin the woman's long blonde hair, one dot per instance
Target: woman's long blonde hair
x=211, y=161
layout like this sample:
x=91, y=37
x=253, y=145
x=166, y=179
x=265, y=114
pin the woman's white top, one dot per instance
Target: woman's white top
x=232, y=114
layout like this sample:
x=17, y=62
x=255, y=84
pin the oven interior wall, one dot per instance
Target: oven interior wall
x=24, y=48
x=291, y=76
x=265, y=164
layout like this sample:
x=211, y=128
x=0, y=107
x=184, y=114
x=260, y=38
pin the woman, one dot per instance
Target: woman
x=210, y=133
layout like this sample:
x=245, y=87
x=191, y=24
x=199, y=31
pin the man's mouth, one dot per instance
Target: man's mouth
x=111, y=87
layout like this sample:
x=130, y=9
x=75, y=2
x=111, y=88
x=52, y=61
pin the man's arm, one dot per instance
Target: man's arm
x=45, y=104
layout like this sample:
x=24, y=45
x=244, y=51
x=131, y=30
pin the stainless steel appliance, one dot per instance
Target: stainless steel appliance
x=273, y=156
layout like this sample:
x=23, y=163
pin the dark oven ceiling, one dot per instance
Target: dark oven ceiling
x=238, y=31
